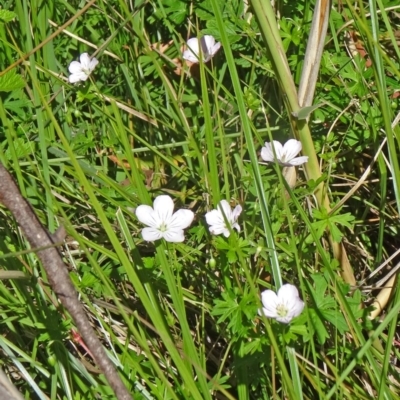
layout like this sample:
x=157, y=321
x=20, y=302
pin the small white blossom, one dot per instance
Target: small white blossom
x=80, y=71
x=208, y=49
x=162, y=222
x=217, y=219
x=283, y=306
x=285, y=155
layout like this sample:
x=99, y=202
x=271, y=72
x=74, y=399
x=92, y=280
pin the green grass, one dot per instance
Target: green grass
x=180, y=321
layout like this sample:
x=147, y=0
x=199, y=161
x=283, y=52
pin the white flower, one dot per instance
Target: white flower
x=80, y=71
x=284, y=306
x=217, y=219
x=285, y=155
x=162, y=222
x=208, y=49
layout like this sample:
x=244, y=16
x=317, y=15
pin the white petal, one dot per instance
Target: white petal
x=237, y=211
x=225, y=210
x=226, y=232
x=85, y=61
x=174, y=235
x=236, y=226
x=145, y=214
x=279, y=150
x=216, y=221
x=296, y=161
x=75, y=67
x=215, y=48
x=291, y=149
x=284, y=320
x=151, y=234
x=189, y=56
x=269, y=300
x=180, y=220
x=297, y=308
x=207, y=46
x=193, y=45
x=192, y=53
x=210, y=44
x=220, y=229
x=214, y=217
x=208, y=41
x=266, y=153
x=163, y=207
x=205, y=49
x=269, y=313
x=94, y=61
x=79, y=76
x=288, y=291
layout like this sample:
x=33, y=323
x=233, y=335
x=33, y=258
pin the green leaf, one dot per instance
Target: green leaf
x=336, y=318
x=7, y=16
x=319, y=327
x=304, y=112
x=11, y=81
x=238, y=309
x=22, y=149
x=176, y=10
x=325, y=220
x=321, y=286
x=298, y=329
x=17, y=102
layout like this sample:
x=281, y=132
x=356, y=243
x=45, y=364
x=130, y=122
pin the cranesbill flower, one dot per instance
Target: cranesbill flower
x=208, y=49
x=162, y=222
x=223, y=215
x=80, y=71
x=283, y=306
x=285, y=155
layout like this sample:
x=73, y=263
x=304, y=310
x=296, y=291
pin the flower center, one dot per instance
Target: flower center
x=163, y=227
x=282, y=310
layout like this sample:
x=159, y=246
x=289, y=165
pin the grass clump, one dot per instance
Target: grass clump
x=196, y=304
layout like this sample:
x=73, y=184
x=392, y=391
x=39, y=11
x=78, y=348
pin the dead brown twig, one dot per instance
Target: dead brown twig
x=58, y=276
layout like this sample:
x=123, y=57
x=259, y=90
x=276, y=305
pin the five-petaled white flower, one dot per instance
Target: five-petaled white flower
x=162, y=222
x=285, y=155
x=283, y=306
x=208, y=49
x=223, y=215
x=80, y=71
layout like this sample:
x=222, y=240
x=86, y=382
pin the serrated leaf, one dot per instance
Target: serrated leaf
x=325, y=220
x=298, y=330
x=176, y=10
x=7, y=15
x=17, y=102
x=336, y=318
x=11, y=81
x=22, y=149
x=253, y=346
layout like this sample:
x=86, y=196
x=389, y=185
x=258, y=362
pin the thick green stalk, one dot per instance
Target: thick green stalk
x=270, y=32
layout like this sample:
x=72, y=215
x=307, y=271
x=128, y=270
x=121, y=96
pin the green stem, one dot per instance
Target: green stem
x=269, y=30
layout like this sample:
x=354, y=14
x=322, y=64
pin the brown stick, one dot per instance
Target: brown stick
x=57, y=274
